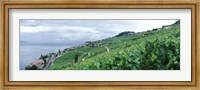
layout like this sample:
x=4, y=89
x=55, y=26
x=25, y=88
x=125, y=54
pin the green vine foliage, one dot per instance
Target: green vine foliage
x=153, y=50
x=157, y=55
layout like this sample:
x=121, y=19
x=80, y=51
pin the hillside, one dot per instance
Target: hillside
x=157, y=49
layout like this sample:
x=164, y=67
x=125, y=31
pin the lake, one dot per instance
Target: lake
x=30, y=52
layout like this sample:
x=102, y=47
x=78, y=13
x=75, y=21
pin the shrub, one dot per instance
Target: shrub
x=33, y=67
x=28, y=67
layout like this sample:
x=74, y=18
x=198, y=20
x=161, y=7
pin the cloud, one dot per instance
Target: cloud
x=30, y=29
x=75, y=31
x=91, y=36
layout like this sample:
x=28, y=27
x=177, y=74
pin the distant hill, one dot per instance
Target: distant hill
x=125, y=33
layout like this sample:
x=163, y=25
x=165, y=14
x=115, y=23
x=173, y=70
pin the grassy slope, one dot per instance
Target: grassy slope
x=118, y=46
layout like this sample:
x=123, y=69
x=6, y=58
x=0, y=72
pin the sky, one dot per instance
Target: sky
x=79, y=31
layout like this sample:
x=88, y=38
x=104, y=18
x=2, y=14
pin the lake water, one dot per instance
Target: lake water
x=30, y=52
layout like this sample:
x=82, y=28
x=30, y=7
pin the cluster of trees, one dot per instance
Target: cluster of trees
x=33, y=67
x=125, y=33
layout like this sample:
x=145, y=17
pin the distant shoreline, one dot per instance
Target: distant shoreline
x=30, y=53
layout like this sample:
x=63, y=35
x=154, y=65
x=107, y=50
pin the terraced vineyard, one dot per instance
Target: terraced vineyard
x=157, y=49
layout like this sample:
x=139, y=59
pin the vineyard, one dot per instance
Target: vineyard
x=157, y=49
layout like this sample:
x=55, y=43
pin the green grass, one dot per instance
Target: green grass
x=142, y=51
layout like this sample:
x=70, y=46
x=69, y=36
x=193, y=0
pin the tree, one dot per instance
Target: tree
x=28, y=67
x=41, y=56
x=76, y=58
x=44, y=62
x=59, y=52
x=33, y=67
x=155, y=29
